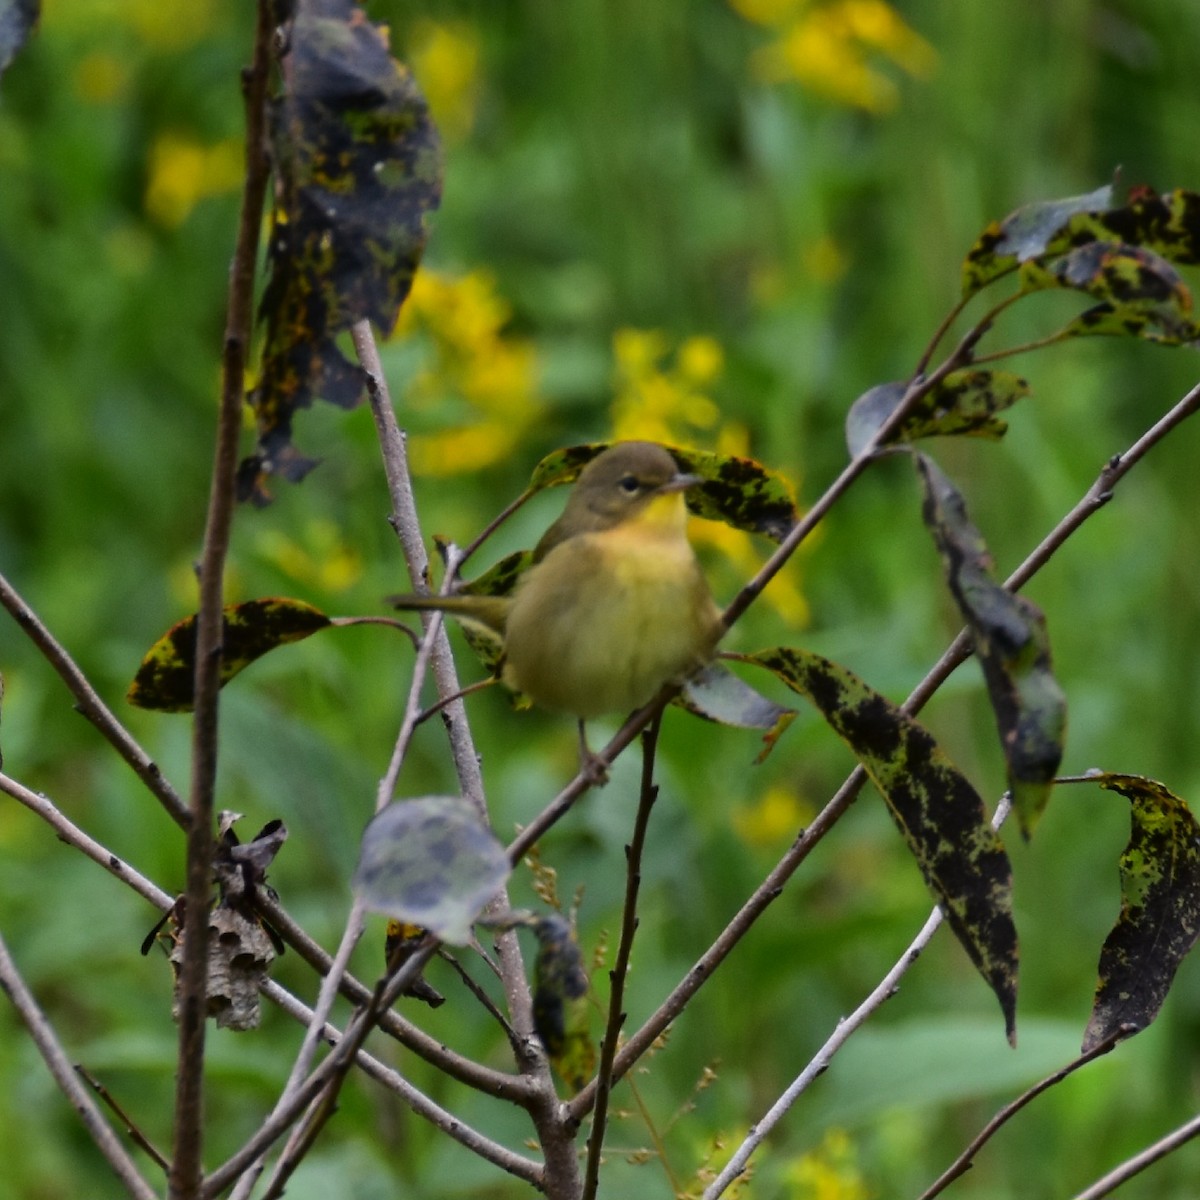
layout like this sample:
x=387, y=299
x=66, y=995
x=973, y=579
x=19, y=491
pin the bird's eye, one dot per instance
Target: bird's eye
x=628, y=484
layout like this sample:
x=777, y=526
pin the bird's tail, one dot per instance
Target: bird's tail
x=490, y=612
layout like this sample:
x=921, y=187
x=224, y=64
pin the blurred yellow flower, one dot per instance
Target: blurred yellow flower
x=777, y=816
x=101, y=78
x=481, y=382
x=830, y=1172
x=445, y=62
x=157, y=25
x=182, y=172
x=827, y=46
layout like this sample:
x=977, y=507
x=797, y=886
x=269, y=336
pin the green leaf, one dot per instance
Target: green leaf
x=1029, y=232
x=431, y=862
x=718, y=695
x=561, y=1012
x=357, y=171
x=166, y=679
x=964, y=403
x=1160, y=907
x=738, y=491
x=938, y=811
x=1010, y=639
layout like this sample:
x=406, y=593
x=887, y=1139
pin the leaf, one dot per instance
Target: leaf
x=1151, y=325
x=560, y=1001
x=431, y=862
x=738, y=491
x=1160, y=907
x=358, y=170
x=1010, y=639
x=718, y=695
x=400, y=944
x=938, y=811
x=165, y=680
x=964, y=403
x=1029, y=232
x=17, y=19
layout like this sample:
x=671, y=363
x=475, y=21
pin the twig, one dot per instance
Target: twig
x=819, y=1063
x=620, y=969
x=60, y=1067
x=186, y=1164
x=89, y=704
x=72, y=835
x=963, y=1162
x=135, y=1134
x=1139, y=1162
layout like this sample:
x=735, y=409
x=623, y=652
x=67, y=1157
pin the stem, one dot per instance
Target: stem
x=56, y=1059
x=629, y=924
x=1139, y=1162
x=189, y=1092
x=88, y=702
x=963, y=1162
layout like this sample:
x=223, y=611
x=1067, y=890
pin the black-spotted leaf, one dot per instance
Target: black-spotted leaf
x=357, y=170
x=561, y=1012
x=1161, y=324
x=431, y=862
x=1160, y=907
x=1029, y=232
x=964, y=403
x=165, y=680
x=1010, y=639
x=738, y=491
x=400, y=943
x=939, y=813
x=718, y=695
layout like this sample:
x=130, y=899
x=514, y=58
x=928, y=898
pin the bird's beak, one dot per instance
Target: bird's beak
x=680, y=483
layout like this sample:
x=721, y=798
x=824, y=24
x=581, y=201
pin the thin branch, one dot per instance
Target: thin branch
x=136, y=1136
x=76, y=1092
x=89, y=704
x=1139, y=1162
x=962, y=1164
x=819, y=1063
x=493, y=1152
x=72, y=835
x=620, y=970
x=186, y=1165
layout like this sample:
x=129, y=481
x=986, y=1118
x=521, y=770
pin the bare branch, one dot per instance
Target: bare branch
x=963, y=1162
x=75, y=1091
x=617, y=976
x=89, y=704
x=186, y=1166
x=1136, y=1165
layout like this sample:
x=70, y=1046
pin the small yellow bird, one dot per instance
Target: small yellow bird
x=615, y=604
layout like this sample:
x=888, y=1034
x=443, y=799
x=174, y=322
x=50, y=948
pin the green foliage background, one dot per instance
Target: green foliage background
x=615, y=165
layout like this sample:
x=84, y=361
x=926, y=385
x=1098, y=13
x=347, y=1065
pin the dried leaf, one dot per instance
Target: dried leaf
x=1010, y=639
x=166, y=678
x=938, y=811
x=358, y=170
x=431, y=862
x=561, y=1013
x=718, y=695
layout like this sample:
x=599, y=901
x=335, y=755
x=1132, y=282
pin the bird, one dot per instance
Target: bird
x=615, y=604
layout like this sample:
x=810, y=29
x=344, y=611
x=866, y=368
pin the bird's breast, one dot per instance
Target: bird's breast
x=606, y=619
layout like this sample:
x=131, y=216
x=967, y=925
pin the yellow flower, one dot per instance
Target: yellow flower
x=775, y=817
x=324, y=561
x=183, y=171
x=828, y=47
x=478, y=383
x=445, y=62
x=830, y=1172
